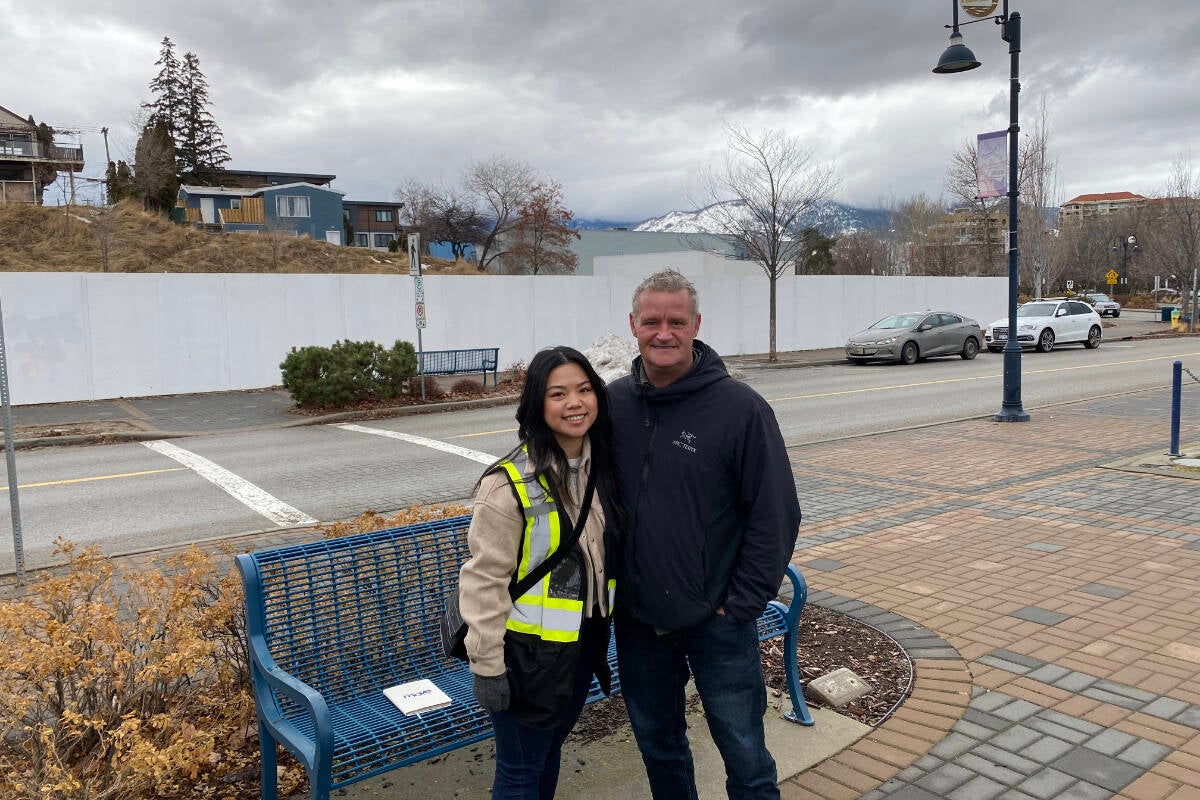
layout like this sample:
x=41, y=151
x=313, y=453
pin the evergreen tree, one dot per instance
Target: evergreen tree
x=154, y=167
x=167, y=87
x=181, y=101
x=118, y=179
x=816, y=253
x=44, y=172
x=200, y=147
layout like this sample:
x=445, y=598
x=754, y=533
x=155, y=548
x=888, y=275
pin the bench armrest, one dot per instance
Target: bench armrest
x=268, y=680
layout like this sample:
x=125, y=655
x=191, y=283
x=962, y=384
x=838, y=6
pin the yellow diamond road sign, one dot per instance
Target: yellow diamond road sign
x=1111, y=275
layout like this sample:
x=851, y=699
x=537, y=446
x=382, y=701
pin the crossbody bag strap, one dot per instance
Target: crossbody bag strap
x=537, y=573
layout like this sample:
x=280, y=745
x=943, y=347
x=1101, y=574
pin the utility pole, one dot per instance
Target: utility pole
x=107, y=161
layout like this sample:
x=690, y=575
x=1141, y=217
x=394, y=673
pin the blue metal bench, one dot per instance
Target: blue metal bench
x=332, y=623
x=461, y=362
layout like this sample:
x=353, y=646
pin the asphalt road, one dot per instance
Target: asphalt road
x=129, y=497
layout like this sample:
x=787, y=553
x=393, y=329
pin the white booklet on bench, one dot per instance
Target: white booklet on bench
x=416, y=697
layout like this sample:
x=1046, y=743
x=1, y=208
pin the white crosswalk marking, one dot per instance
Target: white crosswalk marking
x=474, y=455
x=238, y=487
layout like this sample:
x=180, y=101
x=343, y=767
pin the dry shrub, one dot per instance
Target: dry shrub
x=433, y=390
x=467, y=386
x=374, y=521
x=516, y=372
x=127, y=685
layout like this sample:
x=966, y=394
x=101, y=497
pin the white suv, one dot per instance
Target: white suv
x=1044, y=323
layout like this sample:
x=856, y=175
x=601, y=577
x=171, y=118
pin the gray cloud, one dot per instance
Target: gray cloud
x=623, y=101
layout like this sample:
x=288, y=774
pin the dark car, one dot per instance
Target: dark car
x=916, y=334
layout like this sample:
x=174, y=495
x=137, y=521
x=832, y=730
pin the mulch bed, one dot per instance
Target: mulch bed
x=826, y=640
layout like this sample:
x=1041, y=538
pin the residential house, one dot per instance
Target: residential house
x=253, y=179
x=375, y=224
x=1087, y=207
x=301, y=208
x=21, y=156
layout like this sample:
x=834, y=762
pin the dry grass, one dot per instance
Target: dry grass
x=58, y=239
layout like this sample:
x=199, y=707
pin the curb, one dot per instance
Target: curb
x=322, y=419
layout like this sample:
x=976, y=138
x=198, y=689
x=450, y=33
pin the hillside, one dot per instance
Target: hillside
x=68, y=239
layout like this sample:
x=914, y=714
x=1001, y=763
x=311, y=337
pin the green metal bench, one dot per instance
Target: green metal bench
x=332, y=623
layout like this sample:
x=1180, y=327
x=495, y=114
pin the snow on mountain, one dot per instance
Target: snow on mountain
x=831, y=219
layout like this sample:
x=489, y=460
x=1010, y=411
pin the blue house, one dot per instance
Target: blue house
x=303, y=208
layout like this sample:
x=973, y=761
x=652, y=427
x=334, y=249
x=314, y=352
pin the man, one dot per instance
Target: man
x=712, y=524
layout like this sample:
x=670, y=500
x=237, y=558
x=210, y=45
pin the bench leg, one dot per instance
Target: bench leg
x=270, y=774
x=799, y=712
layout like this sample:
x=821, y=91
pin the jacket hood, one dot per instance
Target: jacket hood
x=707, y=368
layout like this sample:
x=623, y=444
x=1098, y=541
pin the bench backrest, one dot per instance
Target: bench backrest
x=455, y=361
x=359, y=612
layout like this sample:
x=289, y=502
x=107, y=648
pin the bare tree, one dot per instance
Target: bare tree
x=498, y=186
x=416, y=197
x=860, y=253
x=910, y=222
x=963, y=186
x=543, y=233
x=104, y=225
x=769, y=180
x=1179, y=240
x=449, y=215
x=1037, y=172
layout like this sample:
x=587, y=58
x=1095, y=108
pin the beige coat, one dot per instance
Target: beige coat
x=494, y=539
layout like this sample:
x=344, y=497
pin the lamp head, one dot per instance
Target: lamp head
x=957, y=58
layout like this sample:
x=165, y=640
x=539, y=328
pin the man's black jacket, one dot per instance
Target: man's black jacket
x=712, y=503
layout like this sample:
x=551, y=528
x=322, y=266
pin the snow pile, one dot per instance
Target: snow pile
x=611, y=356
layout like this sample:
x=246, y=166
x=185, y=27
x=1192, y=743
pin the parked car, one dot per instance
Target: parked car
x=917, y=334
x=1104, y=304
x=1042, y=324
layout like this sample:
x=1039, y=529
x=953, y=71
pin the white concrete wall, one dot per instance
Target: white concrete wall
x=90, y=336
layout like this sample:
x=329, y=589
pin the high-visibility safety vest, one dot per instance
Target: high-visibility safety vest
x=553, y=609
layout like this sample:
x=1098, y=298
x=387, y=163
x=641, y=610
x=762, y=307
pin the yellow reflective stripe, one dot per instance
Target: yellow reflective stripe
x=518, y=482
x=544, y=635
x=562, y=604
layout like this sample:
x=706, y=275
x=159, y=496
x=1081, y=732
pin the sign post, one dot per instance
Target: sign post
x=11, y=459
x=414, y=269
x=1111, y=277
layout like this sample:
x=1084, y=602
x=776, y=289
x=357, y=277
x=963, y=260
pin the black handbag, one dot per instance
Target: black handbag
x=452, y=628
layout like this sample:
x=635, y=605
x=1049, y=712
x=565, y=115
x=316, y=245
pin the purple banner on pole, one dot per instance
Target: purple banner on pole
x=991, y=164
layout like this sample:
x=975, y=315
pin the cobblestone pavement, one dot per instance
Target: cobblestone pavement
x=1050, y=604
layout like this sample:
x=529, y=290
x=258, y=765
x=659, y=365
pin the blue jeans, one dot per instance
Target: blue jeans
x=527, y=757
x=723, y=657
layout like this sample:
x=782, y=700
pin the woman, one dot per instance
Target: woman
x=533, y=659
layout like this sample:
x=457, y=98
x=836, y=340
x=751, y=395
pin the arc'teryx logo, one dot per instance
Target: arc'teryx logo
x=685, y=441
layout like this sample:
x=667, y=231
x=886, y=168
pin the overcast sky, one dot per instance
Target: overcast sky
x=622, y=101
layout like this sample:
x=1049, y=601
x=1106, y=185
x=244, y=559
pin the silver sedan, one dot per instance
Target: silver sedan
x=914, y=335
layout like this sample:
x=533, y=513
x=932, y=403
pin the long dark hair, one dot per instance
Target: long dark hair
x=545, y=453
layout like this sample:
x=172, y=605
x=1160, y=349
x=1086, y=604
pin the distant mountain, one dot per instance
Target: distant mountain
x=831, y=219
x=598, y=224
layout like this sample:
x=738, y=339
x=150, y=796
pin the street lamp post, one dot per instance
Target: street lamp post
x=959, y=58
x=1127, y=243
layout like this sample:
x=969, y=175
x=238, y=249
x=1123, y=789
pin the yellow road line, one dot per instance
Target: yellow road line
x=482, y=433
x=979, y=378
x=96, y=478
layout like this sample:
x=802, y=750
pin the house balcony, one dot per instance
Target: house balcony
x=24, y=150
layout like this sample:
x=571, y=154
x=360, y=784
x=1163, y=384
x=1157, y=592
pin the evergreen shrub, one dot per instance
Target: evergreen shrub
x=347, y=372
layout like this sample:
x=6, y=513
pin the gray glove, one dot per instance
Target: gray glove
x=492, y=692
